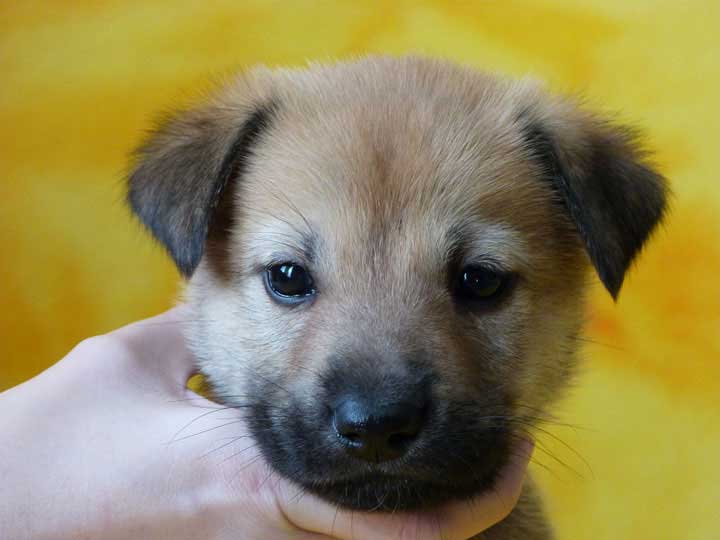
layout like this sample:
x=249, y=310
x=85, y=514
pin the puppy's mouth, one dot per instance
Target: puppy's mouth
x=357, y=465
x=389, y=493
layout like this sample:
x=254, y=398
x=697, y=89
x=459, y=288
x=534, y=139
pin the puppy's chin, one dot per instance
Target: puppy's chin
x=438, y=475
x=384, y=493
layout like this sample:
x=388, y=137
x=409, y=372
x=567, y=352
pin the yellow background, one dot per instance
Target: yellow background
x=80, y=81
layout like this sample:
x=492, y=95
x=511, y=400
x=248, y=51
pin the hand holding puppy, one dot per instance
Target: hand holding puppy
x=109, y=443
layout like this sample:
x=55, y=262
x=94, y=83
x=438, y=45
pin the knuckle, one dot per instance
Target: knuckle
x=102, y=347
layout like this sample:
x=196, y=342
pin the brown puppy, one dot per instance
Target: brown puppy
x=387, y=260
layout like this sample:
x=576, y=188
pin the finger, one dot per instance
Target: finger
x=159, y=343
x=454, y=521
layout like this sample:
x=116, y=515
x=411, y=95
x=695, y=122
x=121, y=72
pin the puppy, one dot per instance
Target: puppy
x=386, y=260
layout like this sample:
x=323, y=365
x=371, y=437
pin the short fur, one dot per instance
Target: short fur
x=383, y=176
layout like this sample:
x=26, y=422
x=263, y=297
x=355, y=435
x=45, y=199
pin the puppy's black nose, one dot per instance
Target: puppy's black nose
x=377, y=432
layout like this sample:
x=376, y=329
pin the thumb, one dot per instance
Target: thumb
x=159, y=344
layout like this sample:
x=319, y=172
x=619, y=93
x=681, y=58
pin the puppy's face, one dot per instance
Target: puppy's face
x=388, y=260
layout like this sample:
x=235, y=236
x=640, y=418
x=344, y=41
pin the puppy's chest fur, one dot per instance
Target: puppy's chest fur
x=387, y=260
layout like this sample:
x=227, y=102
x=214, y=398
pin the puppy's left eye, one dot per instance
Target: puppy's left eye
x=289, y=282
x=481, y=284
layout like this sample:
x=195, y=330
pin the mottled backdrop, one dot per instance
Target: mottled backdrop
x=79, y=82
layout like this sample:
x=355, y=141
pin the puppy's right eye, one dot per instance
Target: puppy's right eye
x=289, y=282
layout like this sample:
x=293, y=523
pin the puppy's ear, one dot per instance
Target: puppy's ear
x=184, y=167
x=598, y=171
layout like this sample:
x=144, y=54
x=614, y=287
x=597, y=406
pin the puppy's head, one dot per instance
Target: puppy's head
x=387, y=261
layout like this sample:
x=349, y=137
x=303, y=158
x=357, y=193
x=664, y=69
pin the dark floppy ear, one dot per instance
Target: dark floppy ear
x=597, y=168
x=184, y=167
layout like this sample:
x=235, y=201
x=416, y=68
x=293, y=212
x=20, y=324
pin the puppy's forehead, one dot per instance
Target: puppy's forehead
x=364, y=159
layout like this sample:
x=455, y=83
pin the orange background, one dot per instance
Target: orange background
x=82, y=80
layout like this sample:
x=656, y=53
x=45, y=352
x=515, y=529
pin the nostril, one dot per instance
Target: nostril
x=348, y=423
x=399, y=440
x=351, y=436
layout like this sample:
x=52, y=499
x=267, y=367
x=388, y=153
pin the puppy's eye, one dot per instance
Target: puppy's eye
x=289, y=282
x=477, y=283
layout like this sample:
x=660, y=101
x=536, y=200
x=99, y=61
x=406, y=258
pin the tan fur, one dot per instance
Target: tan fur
x=367, y=147
x=381, y=158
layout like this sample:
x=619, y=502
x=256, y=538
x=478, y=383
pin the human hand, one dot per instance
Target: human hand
x=110, y=444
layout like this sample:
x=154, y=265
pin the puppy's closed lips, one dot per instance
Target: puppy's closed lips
x=387, y=261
